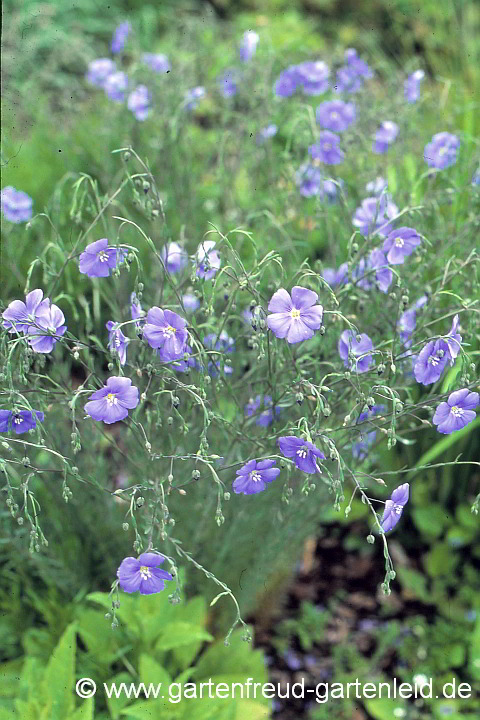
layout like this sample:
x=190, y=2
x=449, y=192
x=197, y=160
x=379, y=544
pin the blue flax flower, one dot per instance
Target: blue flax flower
x=458, y=411
x=394, y=507
x=112, y=402
x=20, y=422
x=303, y=452
x=253, y=477
x=142, y=574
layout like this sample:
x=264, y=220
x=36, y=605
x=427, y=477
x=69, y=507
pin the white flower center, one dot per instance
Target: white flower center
x=169, y=331
x=457, y=411
x=397, y=509
x=327, y=146
x=399, y=242
x=145, y=572
x=112, y=399
x=102, y=256
x=303, y=452
x=442, y=151
x=255, y=476
x=433, y=360
x=117, y=340
x=334, y=115
x=17, y=419
x=295, y=314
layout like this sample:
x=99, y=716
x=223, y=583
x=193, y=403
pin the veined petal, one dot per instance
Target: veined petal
x=303, y=298
x=280, y=302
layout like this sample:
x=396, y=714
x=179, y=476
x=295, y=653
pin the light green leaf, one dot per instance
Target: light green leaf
x=440, y=560
x=151, y=672
x=383, y=708
x=154, y=710
x=431, y=520
x=59, y=679
x=85, y=711
x=414, y=582
x=116, y=705
x=180, y=633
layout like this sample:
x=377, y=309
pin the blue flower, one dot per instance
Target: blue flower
x=412, y=86
x=249, y=44
x=394, y=507
x=253, y=477
x=16, y=205
x=303, y=452
x=20, y=422
x=265, y=417
x=117, y=342
x=120, y=36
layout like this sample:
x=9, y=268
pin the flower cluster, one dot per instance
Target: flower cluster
x=312, y=77
x=441, y=152
x=38, y=319
x=16, y=205
x=261, y=407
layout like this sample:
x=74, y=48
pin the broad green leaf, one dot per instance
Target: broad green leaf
x=466, y=518
x=383, y=708
x=126, y=612
x=116, y=705
x=194, y=611
x=251, y=709
x=180, y=633
x=7, y=711
x=458, y=536
x=59, y=679
x=440, y=560
x=431, y=520
x=238, y=659
x=96, y=633
x=84, y=711
x=414, y=582
x=154, y=710
x=154, y=615
x=32, y=675
x=151, y=672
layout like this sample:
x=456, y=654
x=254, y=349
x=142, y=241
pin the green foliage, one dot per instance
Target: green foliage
x=308, y=628
x=155, y=643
